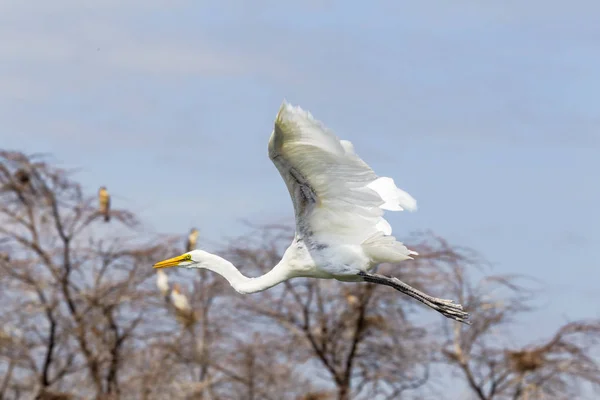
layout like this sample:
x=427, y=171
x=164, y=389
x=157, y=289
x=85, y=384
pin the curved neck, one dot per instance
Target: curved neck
x=241, y=283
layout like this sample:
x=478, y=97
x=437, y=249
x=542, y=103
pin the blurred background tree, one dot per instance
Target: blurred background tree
x=85, y=316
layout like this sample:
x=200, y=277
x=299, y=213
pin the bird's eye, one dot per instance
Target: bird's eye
x=188, y=257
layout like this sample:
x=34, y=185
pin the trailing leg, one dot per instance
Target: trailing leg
x=448, y=308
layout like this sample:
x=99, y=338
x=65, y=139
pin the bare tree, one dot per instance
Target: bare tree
x=82, y=316
x=557, y=366
x=74, y=297
x=485, y=357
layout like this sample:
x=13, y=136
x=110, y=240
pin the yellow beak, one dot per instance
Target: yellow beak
x=171, y=262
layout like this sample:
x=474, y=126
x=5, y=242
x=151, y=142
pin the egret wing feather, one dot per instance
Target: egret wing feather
x=337, y=197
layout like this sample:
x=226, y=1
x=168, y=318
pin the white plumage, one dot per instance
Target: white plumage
x=339, y=204
x=180, y=300
x=162, y=282
x=337, y=197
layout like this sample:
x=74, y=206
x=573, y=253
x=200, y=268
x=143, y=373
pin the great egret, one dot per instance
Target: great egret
x=339, y=204
x=104, y=203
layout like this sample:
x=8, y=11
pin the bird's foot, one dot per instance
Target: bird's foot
x=448, y=308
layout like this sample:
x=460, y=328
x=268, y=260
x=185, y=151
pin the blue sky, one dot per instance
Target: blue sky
x=487, y=113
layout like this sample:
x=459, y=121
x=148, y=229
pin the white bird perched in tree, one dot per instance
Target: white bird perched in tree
x=162, y=282
x=192, y=239
x=179, y=300
x=339, y=204
x=104, y=203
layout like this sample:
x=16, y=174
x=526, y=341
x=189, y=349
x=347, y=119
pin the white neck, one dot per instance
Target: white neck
x=241, y=283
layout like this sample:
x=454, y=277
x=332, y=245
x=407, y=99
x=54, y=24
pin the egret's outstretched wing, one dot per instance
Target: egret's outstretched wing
x=337, y=196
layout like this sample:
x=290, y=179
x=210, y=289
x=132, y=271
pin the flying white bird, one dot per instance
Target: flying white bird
x=339, y=204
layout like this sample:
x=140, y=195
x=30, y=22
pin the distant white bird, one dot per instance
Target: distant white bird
x=179, y=300
x=192, y=239
x=339, y=204
x=162, y=282
x=104, y=203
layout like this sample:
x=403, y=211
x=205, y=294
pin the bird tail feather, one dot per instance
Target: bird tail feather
x=381, y=248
